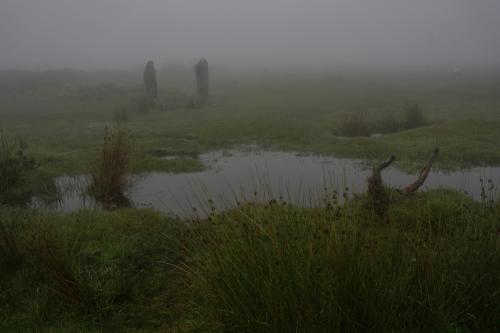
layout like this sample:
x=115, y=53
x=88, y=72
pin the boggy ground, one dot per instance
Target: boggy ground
x=62, y=115
x=431, y=266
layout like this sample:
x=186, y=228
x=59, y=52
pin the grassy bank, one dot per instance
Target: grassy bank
x=259, y=268
x=296, y=112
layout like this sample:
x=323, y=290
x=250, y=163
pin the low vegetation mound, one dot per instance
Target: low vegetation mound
x=357, y=124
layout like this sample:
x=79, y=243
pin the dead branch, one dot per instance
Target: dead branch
x=424, y=173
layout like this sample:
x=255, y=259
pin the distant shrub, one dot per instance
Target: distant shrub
x=109, y=174
x=414, y=116
x=120, y=115
x=355, y=124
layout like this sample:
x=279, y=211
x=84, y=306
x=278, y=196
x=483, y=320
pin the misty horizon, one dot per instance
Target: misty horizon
x=114, y=34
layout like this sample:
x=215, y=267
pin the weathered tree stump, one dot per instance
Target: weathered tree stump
x=376, y=190
x=201, y=70
x=378, y=193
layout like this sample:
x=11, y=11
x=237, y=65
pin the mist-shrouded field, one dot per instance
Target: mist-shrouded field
x=265, y=166
x=423, y=262
x=62, y=114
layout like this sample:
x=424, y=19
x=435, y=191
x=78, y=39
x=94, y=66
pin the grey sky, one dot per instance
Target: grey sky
x=123, y=33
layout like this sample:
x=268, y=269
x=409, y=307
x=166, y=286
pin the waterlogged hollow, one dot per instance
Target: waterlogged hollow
x=238, y=177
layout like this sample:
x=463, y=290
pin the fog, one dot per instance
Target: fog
x=97, y=34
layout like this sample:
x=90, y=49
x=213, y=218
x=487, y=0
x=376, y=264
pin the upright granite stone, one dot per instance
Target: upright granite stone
x=201, y=70
x=150, y=81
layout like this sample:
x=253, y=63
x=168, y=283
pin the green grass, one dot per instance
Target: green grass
x=20, y=177
x=91, y=271
x=258, y=268
x=63, y=115
x=433, y=268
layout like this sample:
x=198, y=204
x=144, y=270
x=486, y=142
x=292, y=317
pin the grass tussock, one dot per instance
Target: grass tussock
x=389, y=124
x=414, y=116
x=109, y=175
x=355, y=124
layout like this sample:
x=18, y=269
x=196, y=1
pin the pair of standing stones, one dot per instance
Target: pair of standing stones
x=201, y=71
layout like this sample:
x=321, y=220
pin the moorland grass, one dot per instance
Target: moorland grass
x=257, y=268
x=88, y=271
x=433, y=268
x=355, y=124
x=274, y=110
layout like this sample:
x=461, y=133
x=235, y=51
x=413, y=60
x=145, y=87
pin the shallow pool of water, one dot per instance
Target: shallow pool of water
x=237, y=176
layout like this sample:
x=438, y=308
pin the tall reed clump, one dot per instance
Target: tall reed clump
x=109, y=174
x=354, y=124
x=390, y=124
x=276, y=268
x=414, y=116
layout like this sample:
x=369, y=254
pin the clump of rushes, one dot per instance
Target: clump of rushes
x=278, y=268
x=414, y=116
x=355, y=124
x=390, y=124
x=109, y=175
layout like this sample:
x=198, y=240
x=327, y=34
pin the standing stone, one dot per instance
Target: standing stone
x=150, y=81
x=201, y=70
